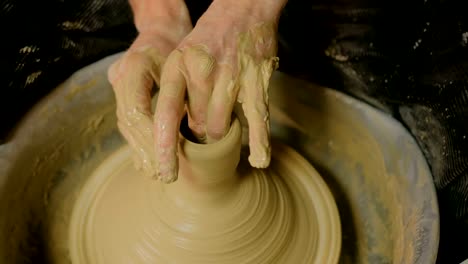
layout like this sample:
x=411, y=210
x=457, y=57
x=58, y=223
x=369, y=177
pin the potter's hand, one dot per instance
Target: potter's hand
x=161, y=25
x=229, y=56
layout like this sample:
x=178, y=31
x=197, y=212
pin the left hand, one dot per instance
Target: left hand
x=161, y=26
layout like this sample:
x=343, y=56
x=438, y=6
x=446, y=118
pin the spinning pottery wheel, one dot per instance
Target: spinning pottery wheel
x=214, y=213
x=375, y=171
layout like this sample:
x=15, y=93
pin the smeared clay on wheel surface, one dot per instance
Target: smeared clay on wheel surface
x=220, y=210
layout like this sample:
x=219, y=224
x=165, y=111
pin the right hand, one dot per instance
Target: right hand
x=134, y=75
x=228, y=57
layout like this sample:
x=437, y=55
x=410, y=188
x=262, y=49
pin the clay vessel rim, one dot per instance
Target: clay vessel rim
x=222, y=147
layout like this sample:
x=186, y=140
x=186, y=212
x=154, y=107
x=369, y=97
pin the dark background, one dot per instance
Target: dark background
x=409, y=59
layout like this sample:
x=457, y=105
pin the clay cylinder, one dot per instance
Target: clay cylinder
x=207, y=171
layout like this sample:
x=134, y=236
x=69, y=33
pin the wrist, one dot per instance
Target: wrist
x=262, y=10
x=151, y=14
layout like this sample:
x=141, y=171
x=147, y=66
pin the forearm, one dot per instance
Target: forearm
x=149, y=12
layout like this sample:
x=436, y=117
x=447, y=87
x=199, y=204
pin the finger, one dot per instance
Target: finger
x=199, y=65
x=141, y=141
x=132, y=82
x=142, y=158
x=255, y=105
x=167, y=117
x=221, y=104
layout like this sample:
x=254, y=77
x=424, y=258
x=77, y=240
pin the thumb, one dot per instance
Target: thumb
x=132, y=79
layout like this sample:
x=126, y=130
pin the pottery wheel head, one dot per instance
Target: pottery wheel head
x=220, y=210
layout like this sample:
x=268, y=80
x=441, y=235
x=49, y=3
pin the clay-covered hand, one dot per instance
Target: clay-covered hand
x=161, y=25
x=229, y=56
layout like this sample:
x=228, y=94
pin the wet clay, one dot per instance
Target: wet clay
x=220, y=210
x=375, y=169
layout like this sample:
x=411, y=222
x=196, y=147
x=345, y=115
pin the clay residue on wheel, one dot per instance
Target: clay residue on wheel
x=216, y=212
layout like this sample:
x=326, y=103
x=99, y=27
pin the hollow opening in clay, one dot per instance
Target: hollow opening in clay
x=186, y=132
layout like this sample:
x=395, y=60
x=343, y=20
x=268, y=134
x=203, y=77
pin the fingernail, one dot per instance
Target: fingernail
x=167, y=172
x=260, y=158
x=259, y=163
